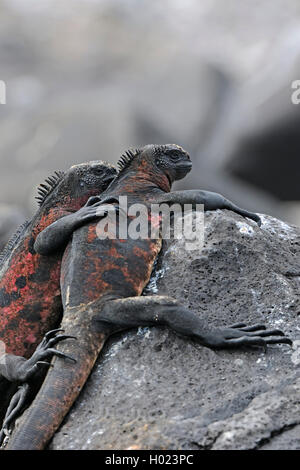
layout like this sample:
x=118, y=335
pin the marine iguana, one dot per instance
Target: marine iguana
x=30, y=301
x=102, y=280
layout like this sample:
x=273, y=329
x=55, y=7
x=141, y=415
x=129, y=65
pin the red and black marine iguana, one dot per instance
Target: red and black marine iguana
x=30, y=300
x=101, y=284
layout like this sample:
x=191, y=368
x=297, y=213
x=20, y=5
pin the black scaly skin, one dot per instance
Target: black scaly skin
x=101, y=284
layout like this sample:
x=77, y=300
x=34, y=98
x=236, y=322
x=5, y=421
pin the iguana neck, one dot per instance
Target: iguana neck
x=146, y=179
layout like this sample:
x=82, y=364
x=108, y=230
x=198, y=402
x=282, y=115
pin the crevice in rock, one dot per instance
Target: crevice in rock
x=276, y=432
x=209, y=445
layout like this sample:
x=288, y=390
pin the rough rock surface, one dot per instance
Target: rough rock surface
x=153, y=389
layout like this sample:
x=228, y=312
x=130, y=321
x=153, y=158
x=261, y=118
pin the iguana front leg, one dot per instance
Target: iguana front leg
x=162, y=310
x=56, y=236
x=211, y=201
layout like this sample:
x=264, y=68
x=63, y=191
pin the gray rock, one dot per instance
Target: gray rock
x=152, y=389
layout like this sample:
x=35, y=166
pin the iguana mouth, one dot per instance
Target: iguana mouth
x=183, y=169
x=169, y=180
x=109, y=178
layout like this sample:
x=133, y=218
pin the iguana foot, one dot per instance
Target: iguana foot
x=239, y=335
x=26, y=371
x=13, y=411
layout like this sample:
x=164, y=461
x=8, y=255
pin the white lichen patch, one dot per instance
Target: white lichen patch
x=261, y=361
x=157, y=274
x=115, y=348
x=144, y=331
x=295, y=357
x=278, y=322
x=244, y=228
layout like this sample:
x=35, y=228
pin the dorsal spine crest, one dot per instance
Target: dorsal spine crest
x=46, y=188
x=126, y=159
x=12, y=242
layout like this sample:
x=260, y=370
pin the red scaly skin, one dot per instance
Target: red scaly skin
x=30, y=301
x=31, y=306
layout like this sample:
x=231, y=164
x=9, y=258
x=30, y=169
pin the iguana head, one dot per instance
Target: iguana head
x=72, y=188
x=160, y=164
x=171, y=159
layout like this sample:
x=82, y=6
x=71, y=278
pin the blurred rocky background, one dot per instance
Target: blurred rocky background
x=86, y=79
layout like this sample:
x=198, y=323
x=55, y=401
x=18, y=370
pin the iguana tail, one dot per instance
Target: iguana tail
x=62, y=384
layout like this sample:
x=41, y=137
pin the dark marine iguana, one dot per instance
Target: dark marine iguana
x=102, y=280
x=30, y=301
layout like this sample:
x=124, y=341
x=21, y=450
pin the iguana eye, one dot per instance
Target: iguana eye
x=98, y=171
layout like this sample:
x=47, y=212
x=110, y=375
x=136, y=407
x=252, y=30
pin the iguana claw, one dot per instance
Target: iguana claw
x=240, y=334
x=27, y=370
x=43, y=351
